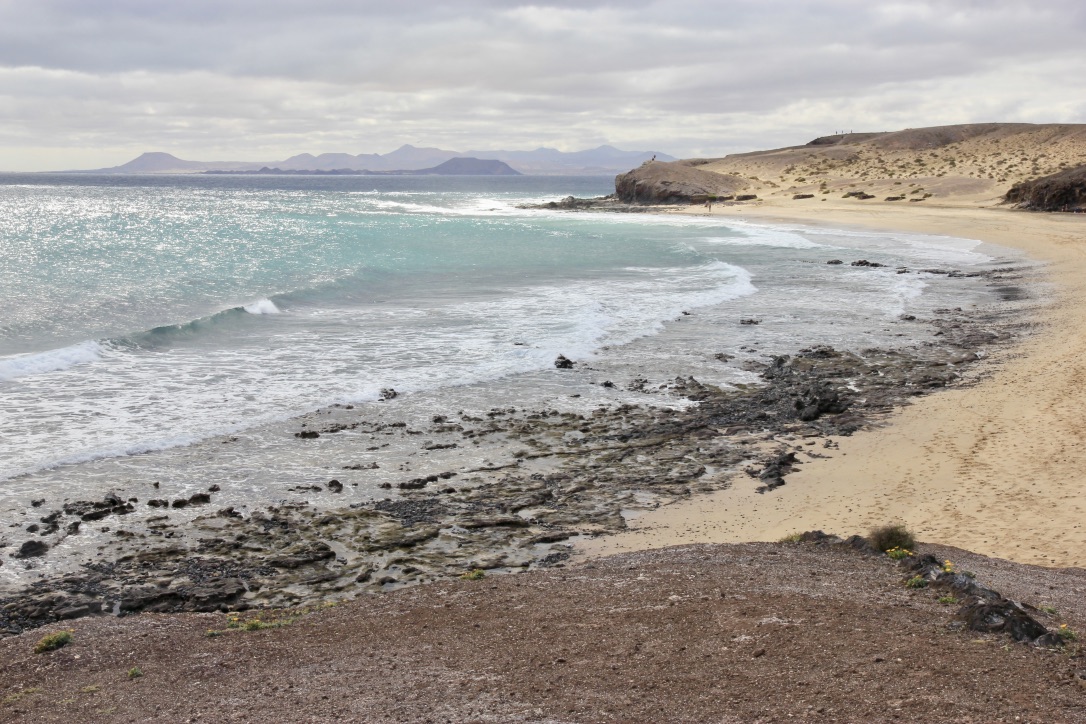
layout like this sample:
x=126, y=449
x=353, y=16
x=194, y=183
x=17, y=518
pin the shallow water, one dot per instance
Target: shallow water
x=146, y=318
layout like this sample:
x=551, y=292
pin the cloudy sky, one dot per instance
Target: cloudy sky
x=90, y=83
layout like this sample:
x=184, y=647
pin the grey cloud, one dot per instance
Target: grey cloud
x=364, y=76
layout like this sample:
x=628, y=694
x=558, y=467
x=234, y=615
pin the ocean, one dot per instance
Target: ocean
x=148, y=320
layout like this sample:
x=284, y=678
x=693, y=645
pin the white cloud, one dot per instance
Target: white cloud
x=99, y=82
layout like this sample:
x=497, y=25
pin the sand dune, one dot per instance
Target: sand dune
x=964, y=164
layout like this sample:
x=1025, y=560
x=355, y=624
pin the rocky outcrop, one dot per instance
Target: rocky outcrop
x=678, y=182
x=1063, y=191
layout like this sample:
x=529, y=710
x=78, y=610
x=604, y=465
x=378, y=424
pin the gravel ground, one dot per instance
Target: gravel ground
x=714, y=633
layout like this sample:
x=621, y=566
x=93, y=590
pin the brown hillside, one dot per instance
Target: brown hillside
x=968, y=163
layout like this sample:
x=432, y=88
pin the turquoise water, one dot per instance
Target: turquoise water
x=151, y=312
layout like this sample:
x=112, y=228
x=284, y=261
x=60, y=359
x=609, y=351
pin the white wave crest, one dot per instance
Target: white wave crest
x=54, y=360
x=262, y=306
x=781, y=240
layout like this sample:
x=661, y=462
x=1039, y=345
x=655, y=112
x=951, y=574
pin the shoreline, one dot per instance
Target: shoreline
x=502, y=490
x=991, y=467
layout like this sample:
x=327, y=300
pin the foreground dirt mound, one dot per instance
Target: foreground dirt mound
x=679, y=182
x=1063, y=191
x=724, y=633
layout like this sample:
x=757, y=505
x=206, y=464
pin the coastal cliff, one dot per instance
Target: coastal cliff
x=678, y=182
x=1063, y=191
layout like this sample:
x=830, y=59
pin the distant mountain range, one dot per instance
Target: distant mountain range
x=453, y=167
x=542, y=161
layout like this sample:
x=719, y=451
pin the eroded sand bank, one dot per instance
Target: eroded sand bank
x=996, y=468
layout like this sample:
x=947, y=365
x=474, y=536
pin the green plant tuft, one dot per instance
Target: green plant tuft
x=135, y=672
x=1066, y=633
x=12, y=698
x=890, y=536
x=53, y=641
x=948, y=599
x=916, y=582
x=473, y=575
x=898, y=554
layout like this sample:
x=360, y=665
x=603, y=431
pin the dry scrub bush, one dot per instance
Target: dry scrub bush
x=895, y=535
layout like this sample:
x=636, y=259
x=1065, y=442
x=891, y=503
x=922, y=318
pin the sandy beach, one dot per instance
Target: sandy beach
x=994, y=467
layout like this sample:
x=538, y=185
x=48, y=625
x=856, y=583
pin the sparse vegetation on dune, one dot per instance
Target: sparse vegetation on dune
x=974, y=159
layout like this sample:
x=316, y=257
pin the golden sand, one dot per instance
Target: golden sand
x=998, y=468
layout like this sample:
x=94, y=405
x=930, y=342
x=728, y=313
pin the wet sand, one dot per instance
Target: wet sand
x=994, y=467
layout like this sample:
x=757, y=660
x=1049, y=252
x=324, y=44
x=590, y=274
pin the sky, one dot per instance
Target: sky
x=94, y=83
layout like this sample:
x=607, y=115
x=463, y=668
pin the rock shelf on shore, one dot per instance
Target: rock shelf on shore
x=568, y=475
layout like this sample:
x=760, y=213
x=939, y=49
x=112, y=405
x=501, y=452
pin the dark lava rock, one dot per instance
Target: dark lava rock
x=200, y=499
x=302, y=555
x=1062, y=191
x=563, y=363
x=214, y=594
x=750, y=321
x=388, y=393
x=148, y=598
x=797, y=197
x=772, y=475
x=835, y=261
x=983, y=609
x=746, y=197
x=335, y=486
x=31, y=549
x=158, y=503
x=865, y=262
x=307, y=434
x=410, y=512
x=571, y=202
x=419, y=483
x=78, y=610
x=817, y=400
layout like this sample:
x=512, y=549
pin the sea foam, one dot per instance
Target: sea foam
x=54, y=360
